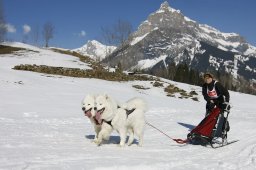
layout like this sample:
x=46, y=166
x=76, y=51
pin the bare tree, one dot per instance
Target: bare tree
x=25, y=38
x=122, y=31
x=35, y=34
x=3, y=29
x=48, y=31
x=117, y=34
x=107, y=38
x=171, y=70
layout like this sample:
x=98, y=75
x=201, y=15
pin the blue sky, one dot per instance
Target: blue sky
x=77, y=21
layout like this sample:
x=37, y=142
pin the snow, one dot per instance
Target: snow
x=222, y=48
x=250, y=50
x=95, y=50
x=165, y=6
x=138, y=39
x=43, y=127
x=189, y=20
x=147, y=63
x=40, y=56
x=220, y=37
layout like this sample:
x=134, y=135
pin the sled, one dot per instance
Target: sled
x=213, y=129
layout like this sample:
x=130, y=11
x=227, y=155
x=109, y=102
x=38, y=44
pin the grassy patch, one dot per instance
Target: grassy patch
x=98, y=73
x=195, y=99
x=171, y=90
x=8, y=50
x=157, y=84
x=140, y=87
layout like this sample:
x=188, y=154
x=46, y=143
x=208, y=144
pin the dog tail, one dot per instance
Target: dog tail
x=135, y=103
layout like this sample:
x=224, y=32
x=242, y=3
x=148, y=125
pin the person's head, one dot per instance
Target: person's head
x=208, y=77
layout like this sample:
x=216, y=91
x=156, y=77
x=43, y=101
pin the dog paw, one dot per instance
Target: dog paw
x=121, y=145
x=98, y=143
x=130, y=143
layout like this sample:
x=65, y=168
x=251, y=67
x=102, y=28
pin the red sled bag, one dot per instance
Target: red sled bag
x=202, y=134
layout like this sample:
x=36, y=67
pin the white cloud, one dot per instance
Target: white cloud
x=26, y=29
x=10, y=28
x=82, y=33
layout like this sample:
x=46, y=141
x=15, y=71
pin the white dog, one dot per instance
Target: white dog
x=129, y=118
x=135, y=111
x=88, y=106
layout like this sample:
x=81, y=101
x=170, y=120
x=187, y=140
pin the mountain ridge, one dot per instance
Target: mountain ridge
x=168, y=36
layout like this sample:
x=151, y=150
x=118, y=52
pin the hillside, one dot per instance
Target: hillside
x=43, y=127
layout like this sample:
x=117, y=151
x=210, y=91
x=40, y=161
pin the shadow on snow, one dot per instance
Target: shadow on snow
x=112, y=139
x=188, y=126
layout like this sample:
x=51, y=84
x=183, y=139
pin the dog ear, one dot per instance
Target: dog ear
x=106, y=96
x=83, y=100
x=94, y=96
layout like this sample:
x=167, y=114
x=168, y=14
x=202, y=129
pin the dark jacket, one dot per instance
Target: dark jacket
x=221, y=92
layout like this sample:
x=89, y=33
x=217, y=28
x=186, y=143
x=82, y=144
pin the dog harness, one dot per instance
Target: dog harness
x=108, y=122
x=128, y=112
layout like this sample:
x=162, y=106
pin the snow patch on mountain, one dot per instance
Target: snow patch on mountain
x=138, y=39
x=95, y=50
x=148, y=63
x=165, y=7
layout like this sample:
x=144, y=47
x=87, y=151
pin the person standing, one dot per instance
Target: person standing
x=214, y=93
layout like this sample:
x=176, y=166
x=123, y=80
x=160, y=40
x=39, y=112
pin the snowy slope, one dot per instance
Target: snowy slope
x=41, y=56
x=42, y=125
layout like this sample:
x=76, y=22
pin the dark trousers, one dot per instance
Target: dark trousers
x=209, y=107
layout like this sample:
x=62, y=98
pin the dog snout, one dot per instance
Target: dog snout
x=83, y=108
x=95, y=108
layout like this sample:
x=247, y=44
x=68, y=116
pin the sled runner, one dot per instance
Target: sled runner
x=212, y=130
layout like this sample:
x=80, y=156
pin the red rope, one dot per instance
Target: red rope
x=180, y=141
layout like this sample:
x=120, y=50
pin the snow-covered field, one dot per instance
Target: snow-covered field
x=42, y=125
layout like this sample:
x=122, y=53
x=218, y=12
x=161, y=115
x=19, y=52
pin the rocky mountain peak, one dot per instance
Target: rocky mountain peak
x=167, y=8
x=165, y=17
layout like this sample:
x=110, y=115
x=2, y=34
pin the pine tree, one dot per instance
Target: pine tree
x=171, y=71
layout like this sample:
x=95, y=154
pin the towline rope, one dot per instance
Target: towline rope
x=180, y=141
